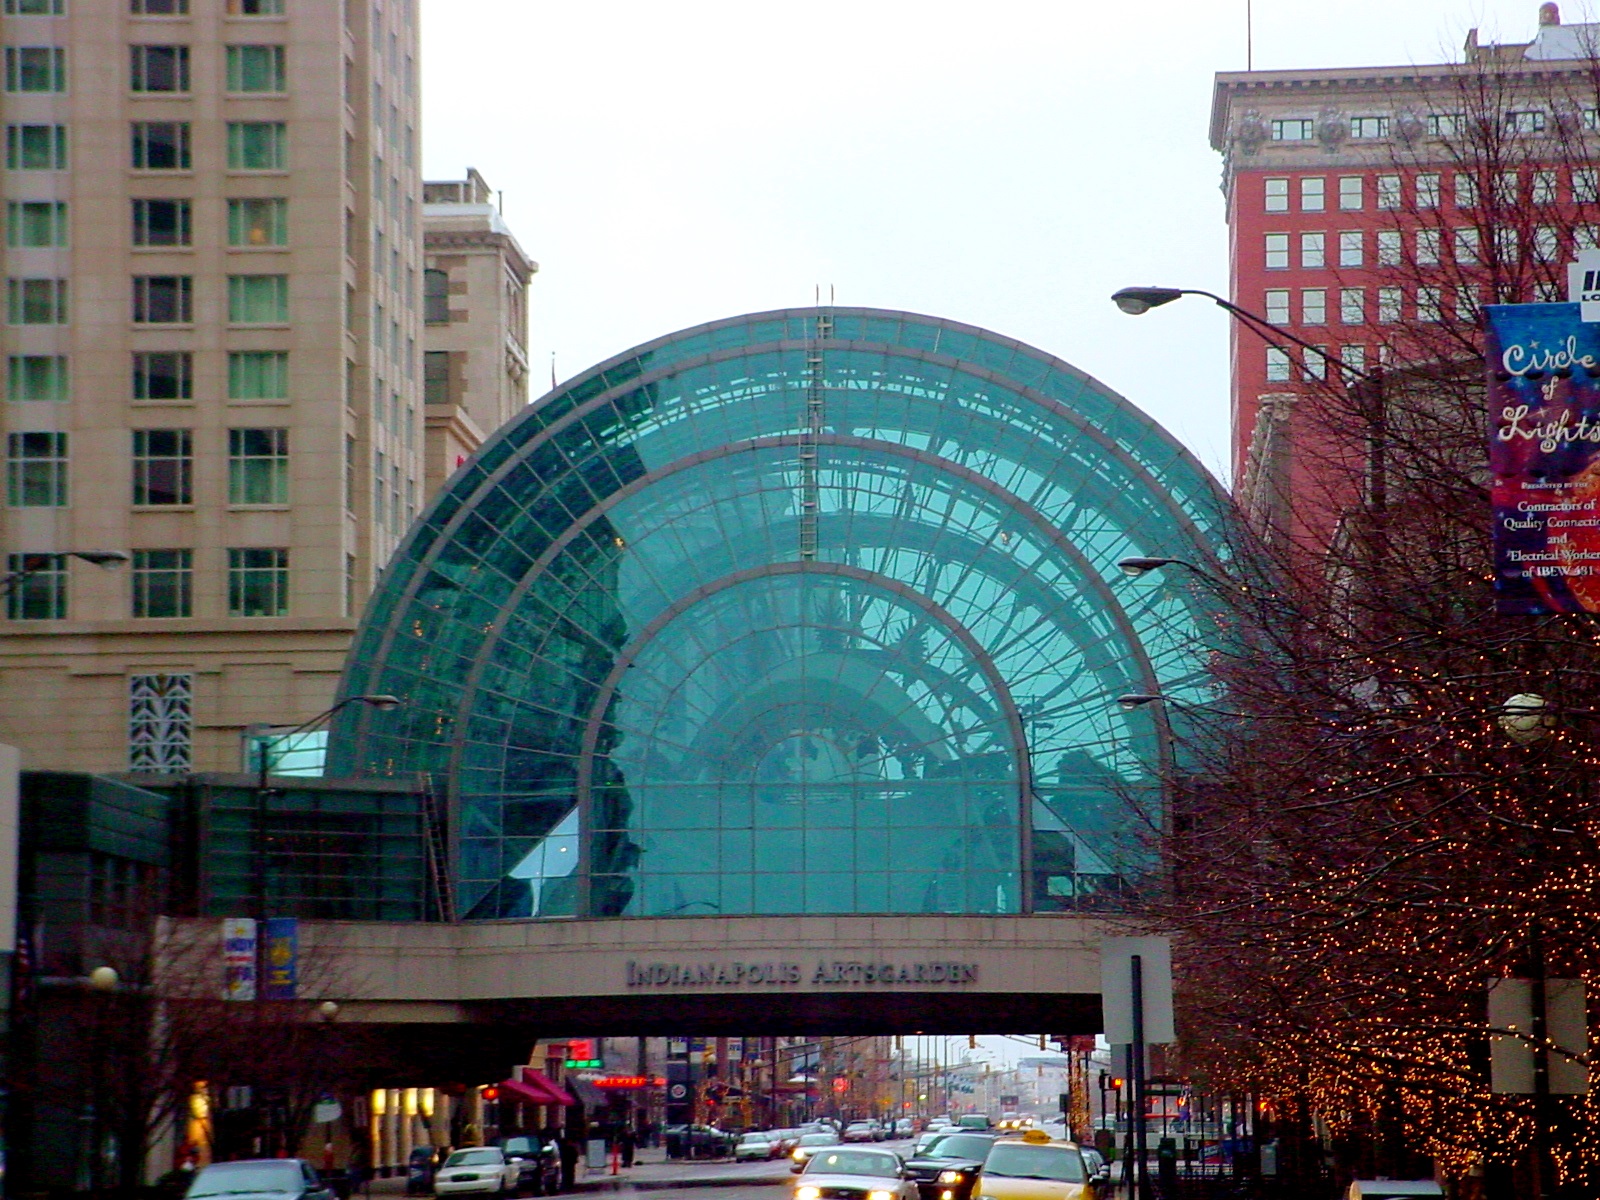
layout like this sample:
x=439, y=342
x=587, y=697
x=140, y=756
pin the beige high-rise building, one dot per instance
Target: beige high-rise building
x=475, y=306
x=213, y=363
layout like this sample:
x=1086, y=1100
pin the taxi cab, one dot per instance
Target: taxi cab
x=1034, y=1166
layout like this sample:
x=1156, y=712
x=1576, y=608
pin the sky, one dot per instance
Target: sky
x=1005, y=163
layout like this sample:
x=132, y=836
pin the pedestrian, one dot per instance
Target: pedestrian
x=567, y=1147
x=627, y=1140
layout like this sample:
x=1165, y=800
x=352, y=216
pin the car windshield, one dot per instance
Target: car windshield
x=1018, y=1160
x=854, y=1162
x=474, y=1158
x=748, y=1138
x=238, y=1179
x=820, y=1139
x=959, y=1145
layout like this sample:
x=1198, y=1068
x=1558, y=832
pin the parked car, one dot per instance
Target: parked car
x=948, y=1166
x=853, y=1171
x=904, y=1127
x=1392, y=1189
x=785, y=1141
x=810, y=1143
x=754, y=1147
x=538, y=1163
x=479, y=1170
x=697, y=1141
x=274, y=1178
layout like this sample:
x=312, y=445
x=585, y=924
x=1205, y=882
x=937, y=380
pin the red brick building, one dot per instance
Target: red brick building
x=1361, y=213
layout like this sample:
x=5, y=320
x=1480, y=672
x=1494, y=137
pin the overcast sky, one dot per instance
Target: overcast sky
x=1004, y=163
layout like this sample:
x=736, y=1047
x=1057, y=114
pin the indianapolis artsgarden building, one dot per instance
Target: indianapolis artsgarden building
x=814, y=611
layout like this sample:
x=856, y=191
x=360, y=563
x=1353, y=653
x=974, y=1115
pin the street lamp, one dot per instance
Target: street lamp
x=262, y=736
x=1136, y=301
x=32, y=564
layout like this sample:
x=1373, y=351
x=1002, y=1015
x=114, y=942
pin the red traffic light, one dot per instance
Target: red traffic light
x=491, y=1093
x=1116, y=1083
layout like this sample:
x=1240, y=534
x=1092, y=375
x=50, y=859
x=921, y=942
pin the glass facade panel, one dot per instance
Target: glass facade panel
x=813, y=611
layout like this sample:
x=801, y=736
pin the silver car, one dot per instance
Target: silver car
x=854, y=1173
x=481, y=1170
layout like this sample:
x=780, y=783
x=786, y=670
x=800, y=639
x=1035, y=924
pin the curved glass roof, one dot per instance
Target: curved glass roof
x=803, y=611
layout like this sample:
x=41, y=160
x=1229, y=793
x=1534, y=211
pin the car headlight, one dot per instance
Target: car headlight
x=951, y=1176
x=797, y=1156
x=880, y=1194
x=807, y=1193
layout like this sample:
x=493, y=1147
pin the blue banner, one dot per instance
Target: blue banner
x=281, y=947
x=1544, y=454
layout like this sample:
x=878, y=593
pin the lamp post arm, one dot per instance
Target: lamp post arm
x=1272, y=334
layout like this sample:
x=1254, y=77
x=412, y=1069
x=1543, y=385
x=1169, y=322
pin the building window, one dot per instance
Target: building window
x=1350, y=193
x=161, y=145
x=258, y=299
x=36, y=470
x=36, y=224
x=1466, y=246
x=255, y=8
x=349, y=585
x=39, y=588
x=1313, y=194
x=161, y=223
x=1387, y=195
x=36, y=147
x=258, y=146
x=1427, y=191
x=163, y=583
x=1294, y=129
x=258, y=222
x=1353, y=306
x=1585, y=186
x=1505, y=246
x=1314, y=306
x=37, y=377
x=436, y=368
x=160, y=723
x=1467, y=305
x=1430, y=304
x=1354, y=359
x=1544, y=187
x=1313, y=247
x=258, y=375
x=35, y=8
x=1546, y=244
x=158, y=68
x=1352, y=248
x=159, y=8
x=1277, y=365
x=1466, y=190
x=163, y=375
x=1369, y=127
x=1525, y=121
x=163, y=468
x=1389, y=299
x=1445, y=125
x=436, y=291
x=36, y=301
x=1507, y=188
x=1428, y=245
x=255, y=69
x=1586, y=237
x=258, y=583
x=350, y=474
x=163, y=299
x=258, y=466
x=1277, y=195
x=36, y=69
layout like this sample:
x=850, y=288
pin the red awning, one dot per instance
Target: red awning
x=535, y=1087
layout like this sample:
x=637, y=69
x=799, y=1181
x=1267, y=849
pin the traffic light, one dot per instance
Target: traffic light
x=1116, y=1084
x=491, y=1092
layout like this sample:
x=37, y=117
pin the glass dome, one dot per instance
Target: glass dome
x=812, y=611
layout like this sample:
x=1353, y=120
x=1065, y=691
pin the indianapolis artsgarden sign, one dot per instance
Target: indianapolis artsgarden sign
x=834, y=973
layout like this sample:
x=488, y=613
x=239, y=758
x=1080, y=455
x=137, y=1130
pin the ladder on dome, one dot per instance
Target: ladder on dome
x=810, y=433
x=436, y=851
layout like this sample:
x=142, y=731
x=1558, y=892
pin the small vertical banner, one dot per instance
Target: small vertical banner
x=1544, y=455
x=238, y=958
x=282, y=959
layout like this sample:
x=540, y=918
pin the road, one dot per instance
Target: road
x=726, y=1181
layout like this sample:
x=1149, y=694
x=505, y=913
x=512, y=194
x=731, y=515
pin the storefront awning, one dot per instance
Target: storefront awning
x=535, y=1087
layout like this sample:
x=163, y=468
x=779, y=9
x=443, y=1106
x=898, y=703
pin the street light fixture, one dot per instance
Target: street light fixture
x=1136, y=301
x=32, y=564
x=1134, y=701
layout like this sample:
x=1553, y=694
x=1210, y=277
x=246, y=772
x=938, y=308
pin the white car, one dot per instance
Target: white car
x=482, y=1170
x=754, y=1146
x=854, y=1171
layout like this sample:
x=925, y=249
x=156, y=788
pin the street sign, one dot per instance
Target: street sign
x=1583, y=284
x=1116, y=988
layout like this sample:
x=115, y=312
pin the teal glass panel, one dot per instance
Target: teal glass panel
x=811, y=611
